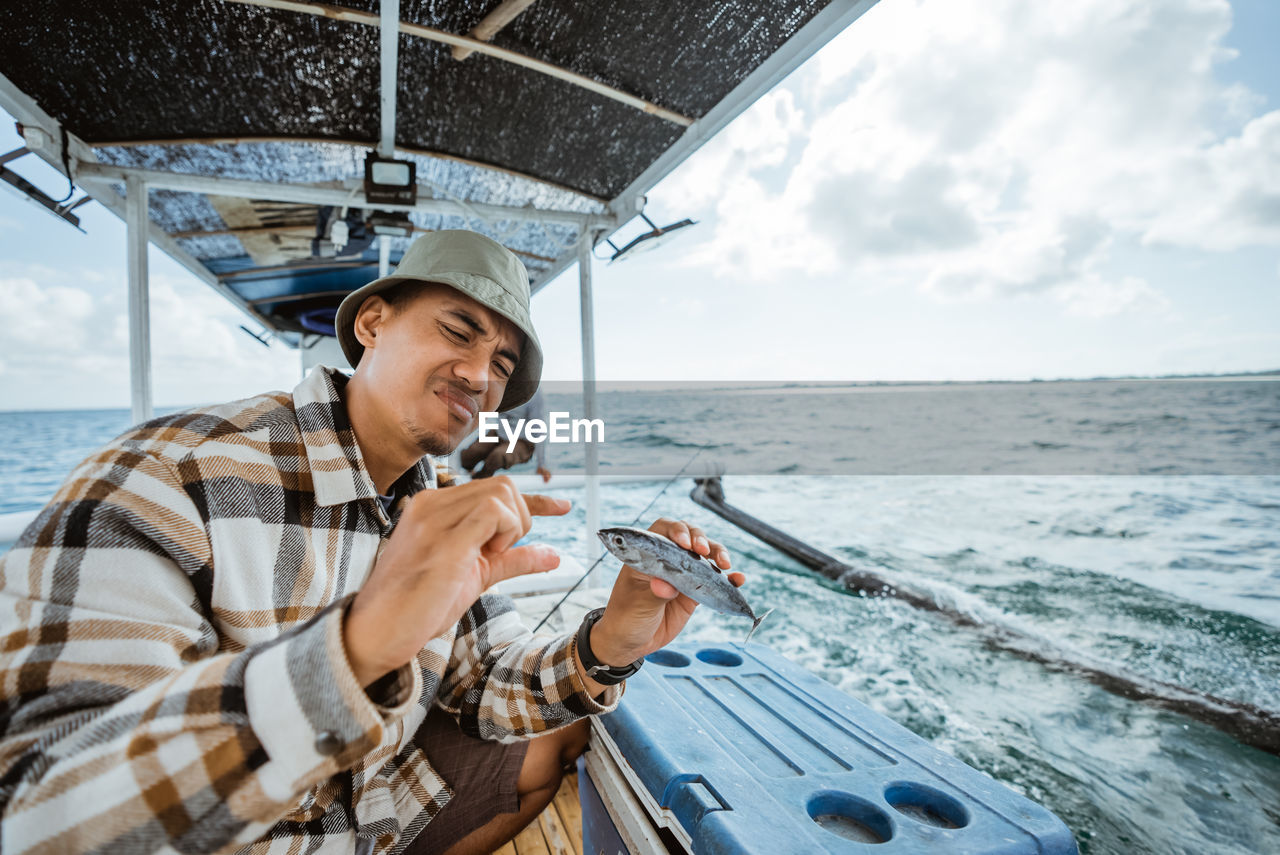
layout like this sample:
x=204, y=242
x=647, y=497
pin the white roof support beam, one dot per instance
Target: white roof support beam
x=137, y=222
x=384, y=255
x=42, y=136
x=492, y=24
x=355, y=16
x=453, y=158
x=807, y=41
x=309, y=194
x=821, y=29
x=106, y=195
x=389, y=15
x=41, y=131
x=592, y=462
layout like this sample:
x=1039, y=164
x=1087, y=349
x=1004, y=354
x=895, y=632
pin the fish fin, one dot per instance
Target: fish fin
x=755, y=624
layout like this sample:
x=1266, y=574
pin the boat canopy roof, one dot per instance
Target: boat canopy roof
x=249, y=121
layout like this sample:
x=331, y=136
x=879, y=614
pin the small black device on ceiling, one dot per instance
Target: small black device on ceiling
x=390, y=182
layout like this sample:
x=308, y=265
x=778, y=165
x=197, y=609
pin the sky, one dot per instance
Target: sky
x=949, y=190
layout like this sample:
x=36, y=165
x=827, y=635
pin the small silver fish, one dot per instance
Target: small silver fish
x=688, y=572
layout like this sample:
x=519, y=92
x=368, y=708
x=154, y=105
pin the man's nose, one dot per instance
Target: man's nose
x=476, y=370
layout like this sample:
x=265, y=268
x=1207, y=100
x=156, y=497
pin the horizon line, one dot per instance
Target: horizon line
x=767, y=384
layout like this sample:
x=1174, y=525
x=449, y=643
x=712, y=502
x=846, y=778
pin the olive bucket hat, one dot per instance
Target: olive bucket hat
x=484, y=270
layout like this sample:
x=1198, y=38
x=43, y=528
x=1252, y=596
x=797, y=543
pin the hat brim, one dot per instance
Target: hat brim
x=523, y=382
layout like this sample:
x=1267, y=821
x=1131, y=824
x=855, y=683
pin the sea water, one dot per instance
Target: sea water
x=1174, y=576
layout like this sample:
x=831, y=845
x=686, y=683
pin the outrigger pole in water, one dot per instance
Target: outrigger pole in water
x=1245, y=722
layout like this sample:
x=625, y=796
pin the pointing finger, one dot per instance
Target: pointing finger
x=738, y=579
x=534, y=558
x=546, y=506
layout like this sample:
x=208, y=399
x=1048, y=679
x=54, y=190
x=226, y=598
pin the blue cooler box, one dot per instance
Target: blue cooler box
x=734, y=749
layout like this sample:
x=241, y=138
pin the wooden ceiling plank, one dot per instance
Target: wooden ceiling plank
x=492, y=24
x=355, y=16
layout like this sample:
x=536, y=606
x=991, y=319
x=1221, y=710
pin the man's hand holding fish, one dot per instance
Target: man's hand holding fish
x=646, y=612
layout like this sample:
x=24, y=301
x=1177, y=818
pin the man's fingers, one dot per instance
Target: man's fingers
x=545, y=506
x=492, y=524
x=692, y=538
x=699, y=540
x=512, y=497
x=675, y=530
x=534, y=558
x=738, y=579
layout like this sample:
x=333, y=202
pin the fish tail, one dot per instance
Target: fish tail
x=755, y=624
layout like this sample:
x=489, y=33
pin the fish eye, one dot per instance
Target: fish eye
x=617, y=540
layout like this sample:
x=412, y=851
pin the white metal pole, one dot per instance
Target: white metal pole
x=592, y=480
x=389, y=42
x=137, y=222
x=307, y=194
x=384, y=255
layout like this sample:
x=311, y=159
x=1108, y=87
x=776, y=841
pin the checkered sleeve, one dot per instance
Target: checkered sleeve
x=504, y=683
x=125, y=729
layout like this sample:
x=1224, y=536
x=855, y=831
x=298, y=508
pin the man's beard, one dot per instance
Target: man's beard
x=433, y=442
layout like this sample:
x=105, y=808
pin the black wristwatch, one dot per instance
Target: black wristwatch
x=603, y=674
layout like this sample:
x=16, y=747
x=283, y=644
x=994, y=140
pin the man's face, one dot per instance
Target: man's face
x=432, y=362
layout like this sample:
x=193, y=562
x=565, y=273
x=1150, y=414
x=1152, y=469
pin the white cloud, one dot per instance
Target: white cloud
x=985, y=149
x=762, y=137
x=40, y=315
x=1094, y=297
x=1232, y=193
x=66, y=343
x=1029, y=253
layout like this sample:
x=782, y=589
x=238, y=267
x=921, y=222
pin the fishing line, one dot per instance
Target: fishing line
x=643, y=511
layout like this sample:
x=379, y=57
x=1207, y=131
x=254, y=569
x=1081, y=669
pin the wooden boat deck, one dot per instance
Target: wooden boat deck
x=558, y=829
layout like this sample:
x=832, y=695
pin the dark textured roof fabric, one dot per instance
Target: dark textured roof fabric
x=128, y=70
x=300, y=95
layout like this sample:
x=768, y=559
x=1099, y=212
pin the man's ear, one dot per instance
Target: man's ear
x=370, y=319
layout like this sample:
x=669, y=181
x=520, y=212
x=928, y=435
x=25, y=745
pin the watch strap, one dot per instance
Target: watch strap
x=605, y=675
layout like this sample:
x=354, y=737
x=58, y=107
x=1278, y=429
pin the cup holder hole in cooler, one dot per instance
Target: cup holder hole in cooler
x=716, y=656
x=850, y=817
x=926, y=805
x=668, y=659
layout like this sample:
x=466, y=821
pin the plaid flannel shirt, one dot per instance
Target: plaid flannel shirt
x=172, y=667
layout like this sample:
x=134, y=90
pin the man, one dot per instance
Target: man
x=484, y=459
x=228, y=627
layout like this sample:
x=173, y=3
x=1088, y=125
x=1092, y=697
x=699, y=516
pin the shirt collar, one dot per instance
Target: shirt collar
x=338, y=473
